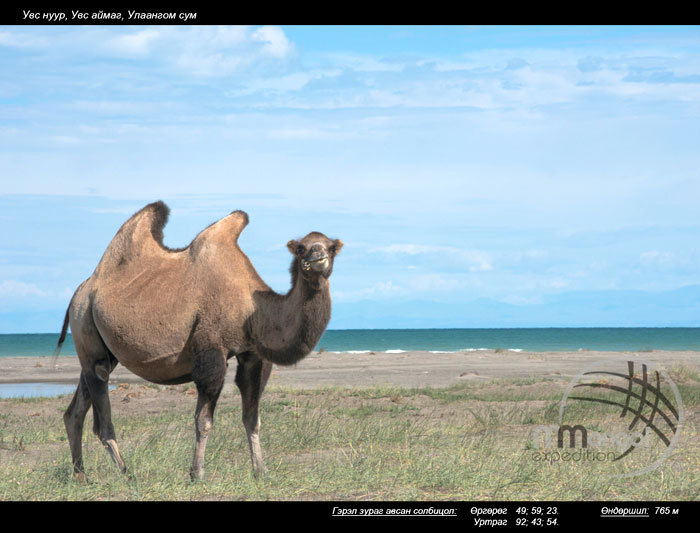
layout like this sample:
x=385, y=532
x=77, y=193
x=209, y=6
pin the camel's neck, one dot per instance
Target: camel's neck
x=286, y=328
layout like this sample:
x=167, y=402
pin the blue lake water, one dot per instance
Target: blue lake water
x=440, y=340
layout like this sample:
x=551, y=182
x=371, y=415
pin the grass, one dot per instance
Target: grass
x=468, y=442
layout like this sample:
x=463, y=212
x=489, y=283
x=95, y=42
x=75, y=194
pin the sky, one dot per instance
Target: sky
x=515, y=176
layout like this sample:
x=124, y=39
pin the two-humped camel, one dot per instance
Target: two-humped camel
x=177, y=315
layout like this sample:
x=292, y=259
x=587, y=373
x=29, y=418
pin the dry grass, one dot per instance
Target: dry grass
x=469, y=442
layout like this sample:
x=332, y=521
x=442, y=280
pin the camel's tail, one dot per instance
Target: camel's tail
x=62, y=338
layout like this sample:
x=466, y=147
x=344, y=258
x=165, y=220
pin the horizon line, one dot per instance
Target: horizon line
x=433, y=329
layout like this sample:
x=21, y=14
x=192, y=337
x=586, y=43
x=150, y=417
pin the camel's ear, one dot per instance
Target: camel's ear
x=292, y=246
x=337, y=246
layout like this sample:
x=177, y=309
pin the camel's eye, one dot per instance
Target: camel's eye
x=301, y=249
x=332, y=249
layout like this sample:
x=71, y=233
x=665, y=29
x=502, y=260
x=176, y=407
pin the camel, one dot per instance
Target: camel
x=178, y=315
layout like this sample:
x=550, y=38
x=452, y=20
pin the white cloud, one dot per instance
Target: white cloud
x=411, y=249
x=206, y=51
x=483, y=79
x=275, y=42
x=433, y=282
x=22, y=39
x=477, y=260
x=18, y=289
x=556, y=283
x=347, y=61
x=657, y=258
x=412, y=285
x=138, y=43
x=278, y=84
x=381, y=288
x=66, y=140
x=297, y=134
x=486, y=80
x=115, y=107
x=220, y=51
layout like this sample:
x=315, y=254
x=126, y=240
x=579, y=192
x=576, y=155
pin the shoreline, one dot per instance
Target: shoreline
x=368, y=369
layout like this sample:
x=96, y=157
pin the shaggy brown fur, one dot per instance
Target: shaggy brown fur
x=177, y=315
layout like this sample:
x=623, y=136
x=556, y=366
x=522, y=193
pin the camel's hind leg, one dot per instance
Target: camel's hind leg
x=102, y=410
x=74, y=419
x=96, y=363
x=91, y=391
x=251, y=377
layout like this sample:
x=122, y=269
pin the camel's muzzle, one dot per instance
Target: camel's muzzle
x=315, y=262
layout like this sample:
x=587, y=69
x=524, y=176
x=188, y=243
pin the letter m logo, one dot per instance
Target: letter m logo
x=572, y=436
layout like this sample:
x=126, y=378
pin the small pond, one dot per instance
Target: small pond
x=35, y=390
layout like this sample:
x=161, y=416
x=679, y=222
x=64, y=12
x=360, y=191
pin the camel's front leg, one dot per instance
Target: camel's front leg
x=208, y=374
x=251, y=377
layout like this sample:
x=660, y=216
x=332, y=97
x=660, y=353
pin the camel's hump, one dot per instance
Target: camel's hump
x=225, y=231
x=142, y=235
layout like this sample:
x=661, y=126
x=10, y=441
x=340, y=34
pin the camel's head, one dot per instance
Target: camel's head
x=315, y=254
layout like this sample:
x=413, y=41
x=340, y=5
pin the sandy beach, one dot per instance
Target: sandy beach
x=406, y=369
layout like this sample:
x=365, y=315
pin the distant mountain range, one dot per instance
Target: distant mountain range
x=679, y=308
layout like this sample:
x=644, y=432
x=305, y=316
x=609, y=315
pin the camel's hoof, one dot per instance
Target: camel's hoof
x=79, y=477
x=261, y=473
x=196, y=476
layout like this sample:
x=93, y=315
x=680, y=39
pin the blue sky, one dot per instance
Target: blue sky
x=479, y=176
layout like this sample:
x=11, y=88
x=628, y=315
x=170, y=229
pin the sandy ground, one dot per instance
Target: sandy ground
x=408, y=369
